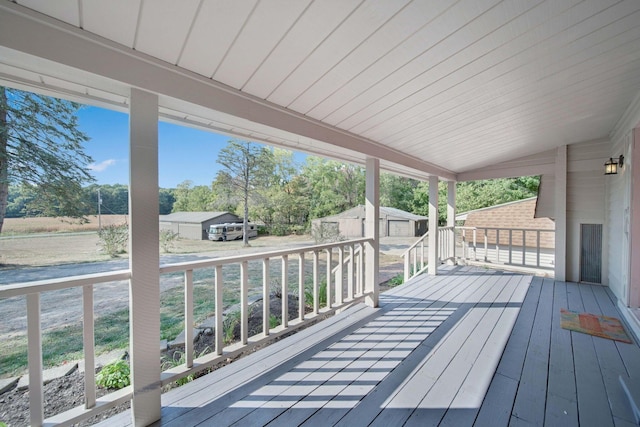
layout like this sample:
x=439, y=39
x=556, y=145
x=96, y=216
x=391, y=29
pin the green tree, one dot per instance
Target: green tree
x=189, y=198
x=472, y=195
x=332, y=186
x=167, y=199
x=249, y=165
x=397, y=191
x=281, y=202
x=41, y=148
x=224, y=195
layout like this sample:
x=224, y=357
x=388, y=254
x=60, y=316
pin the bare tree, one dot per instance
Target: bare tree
x=248, y=165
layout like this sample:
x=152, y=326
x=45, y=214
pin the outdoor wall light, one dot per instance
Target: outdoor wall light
x=611, y=165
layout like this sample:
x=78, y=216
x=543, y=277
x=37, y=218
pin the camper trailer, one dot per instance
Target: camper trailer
x=231, y=231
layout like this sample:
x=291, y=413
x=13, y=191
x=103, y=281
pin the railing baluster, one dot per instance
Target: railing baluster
x=329, y=285
x=421, y=255
x=524, y=247
x=301, y=286
x=285, y=291
x=188, y=318
x=510, y=246
x=316, y=282
x=219, y=308
x=34, y=360
x=486, y=245
x=340, y=276
x=244, y=307
x=497, y=245
x=266, y=313
x=88, y=339
x=475, y=244
x=538, y=248
x=350, y=272
x=361, y=270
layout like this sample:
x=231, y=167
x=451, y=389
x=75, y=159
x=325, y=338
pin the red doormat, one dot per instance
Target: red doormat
x=592, y=324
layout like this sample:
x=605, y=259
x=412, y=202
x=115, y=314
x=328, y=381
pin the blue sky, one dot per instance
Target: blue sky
x=184, y=153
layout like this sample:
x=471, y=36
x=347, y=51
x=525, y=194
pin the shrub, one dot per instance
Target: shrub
x=273, y=321
x=326, y=232
x=229, y=326
x=168, y=239
x=115, y=375
x=113, y=239
x=322, y=294
x=396, y=280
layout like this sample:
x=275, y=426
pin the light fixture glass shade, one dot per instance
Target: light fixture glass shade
x=611, y=167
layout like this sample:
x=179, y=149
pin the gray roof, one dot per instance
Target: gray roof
x=192, y=217
x=399, y=213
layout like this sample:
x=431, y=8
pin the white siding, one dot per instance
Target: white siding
x=585, y=197
x=618, y=205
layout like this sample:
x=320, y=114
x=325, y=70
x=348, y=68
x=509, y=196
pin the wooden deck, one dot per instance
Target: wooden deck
x=467, y=347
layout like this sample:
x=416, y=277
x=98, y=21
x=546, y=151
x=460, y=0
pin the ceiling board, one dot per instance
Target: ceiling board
x=364, y=21
x=268, y=24
x=98, y=17
x=164, y=26
x=64, y=10
x=214, y=30
x=315, y=25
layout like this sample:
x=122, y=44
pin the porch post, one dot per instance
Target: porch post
x=372, y=230
x=451, y=220
x=561, y=214
x=433, y=225
x=144, y=258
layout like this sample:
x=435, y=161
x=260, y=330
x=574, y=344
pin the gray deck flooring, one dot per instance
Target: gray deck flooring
x=467, y=347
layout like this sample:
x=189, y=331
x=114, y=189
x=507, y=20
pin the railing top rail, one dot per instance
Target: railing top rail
x=17, y=289
x=421, y=239
x=191, y=265
x=506, y=228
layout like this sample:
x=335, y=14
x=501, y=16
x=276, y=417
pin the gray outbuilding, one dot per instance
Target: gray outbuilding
x=393, y=222
x=194, y=225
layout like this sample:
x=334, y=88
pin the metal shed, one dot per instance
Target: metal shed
x=194, y=225
x=393, y=222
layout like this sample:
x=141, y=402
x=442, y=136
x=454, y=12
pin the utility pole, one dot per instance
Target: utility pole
x=99, y=218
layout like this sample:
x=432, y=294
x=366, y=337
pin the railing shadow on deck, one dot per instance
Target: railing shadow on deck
x=363, y=365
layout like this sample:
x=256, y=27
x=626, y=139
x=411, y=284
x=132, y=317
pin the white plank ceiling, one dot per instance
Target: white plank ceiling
x=456, y=84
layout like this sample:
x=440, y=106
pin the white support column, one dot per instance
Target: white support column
x=433, y=225
x=372, y=230
x=561, y=214
x=451, y=218
x=144, y=258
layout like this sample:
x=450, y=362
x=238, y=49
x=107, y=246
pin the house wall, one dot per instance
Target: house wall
x=585, y=199
x=623, y=221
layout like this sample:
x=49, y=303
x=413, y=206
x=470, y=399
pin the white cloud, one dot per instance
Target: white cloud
x=102, y=166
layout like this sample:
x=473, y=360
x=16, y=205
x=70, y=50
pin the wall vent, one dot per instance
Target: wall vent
x=591, y=253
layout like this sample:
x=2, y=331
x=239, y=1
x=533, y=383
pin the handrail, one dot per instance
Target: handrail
x=335, y=300
x=507, y=246
x=414, y=259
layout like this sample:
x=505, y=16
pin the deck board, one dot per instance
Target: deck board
x=562, y=403
x=466, y=347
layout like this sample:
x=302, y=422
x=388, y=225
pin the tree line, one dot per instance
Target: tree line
x=44, y=171
x=286, y=196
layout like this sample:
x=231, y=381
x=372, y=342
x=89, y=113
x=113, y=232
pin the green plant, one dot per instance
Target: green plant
x=326, y=232
x=115, y=375
x=396, y=280
x=273, y=321
x=229, y=326
x=169, y=362
x=168, y=239
x=113, y=239
x=322, y=294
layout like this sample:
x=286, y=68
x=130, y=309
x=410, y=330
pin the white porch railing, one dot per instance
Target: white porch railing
x=345, y=285
x=414, y=258
x=531, y=248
